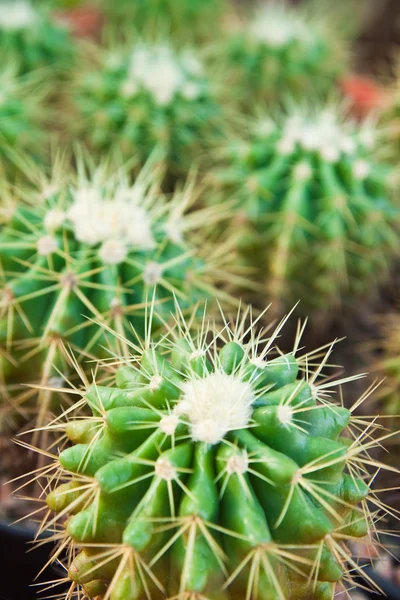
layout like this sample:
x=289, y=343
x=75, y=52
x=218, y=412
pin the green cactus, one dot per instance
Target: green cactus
x=21, y=113
x=210, y=470
x=146, y=95
x=285, y=50
x=185, y=19
x=95, y=245
x=29, y=33
x=314, y=204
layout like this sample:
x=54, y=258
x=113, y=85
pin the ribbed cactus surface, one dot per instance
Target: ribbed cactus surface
x=97, y=246
x=315, y=204
x=29, y=33
x=210, y=469
x=149, y=94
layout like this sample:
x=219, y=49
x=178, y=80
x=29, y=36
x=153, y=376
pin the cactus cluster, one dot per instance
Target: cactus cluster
x=100, y=247
x=285, y=51
x=146, y=95
x=28, y=32
x=211, y=470
x=319, y=217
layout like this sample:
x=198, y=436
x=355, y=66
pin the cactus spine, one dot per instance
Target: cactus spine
x=210, y=471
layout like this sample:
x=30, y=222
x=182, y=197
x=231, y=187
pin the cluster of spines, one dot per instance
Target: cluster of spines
x=160, y=504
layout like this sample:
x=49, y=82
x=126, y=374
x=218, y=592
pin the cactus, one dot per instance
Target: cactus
x=186, y=19
x=314, y=203
x=210, y=470
x=146, y=95
x=285, y=50
x=387, y=365
x=21, y=113
x=29, y=33
x=96, y=246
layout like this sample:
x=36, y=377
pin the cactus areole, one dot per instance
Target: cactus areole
x=211, y=471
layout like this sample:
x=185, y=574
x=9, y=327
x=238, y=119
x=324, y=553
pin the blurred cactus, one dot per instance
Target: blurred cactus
x=285, y=51
x=95, y=245
x=211, y=471
x=147, y=95
x=22, y=114
x=314, y=205
x=29, y=34
x=184, y=19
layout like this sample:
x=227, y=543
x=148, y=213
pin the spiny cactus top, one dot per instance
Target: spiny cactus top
x=145, y=95
x=97, y=246
x=28, y=32
x=284, y=50
x=211, y=470
x=21, y=112
x=320, y=217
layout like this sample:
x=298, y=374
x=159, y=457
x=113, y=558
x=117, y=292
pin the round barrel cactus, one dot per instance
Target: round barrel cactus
x=97, y=246
x=285, y=50
x=212, y=468
x=145, y=95
x=21, y=113
x=314, y=204
x=28, y=32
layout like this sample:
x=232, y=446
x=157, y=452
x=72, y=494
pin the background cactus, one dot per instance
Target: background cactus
x=185, y=19
x=283, y=50
x=145, y=95
x=210, y=470
x=22, y=110
x=314, y=204
x=96, y=245
x=28, y=32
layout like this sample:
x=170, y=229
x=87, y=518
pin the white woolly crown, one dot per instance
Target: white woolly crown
x=277, y=26
x=17, y=14
x=215, y=405
x=163, y=73
x=118, y=221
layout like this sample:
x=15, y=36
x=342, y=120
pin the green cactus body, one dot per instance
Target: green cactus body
x=21, y=113
x=185, y=19
x=29, y=34
x=96, y=246
x=145, y=96
x=211, y=471
x=284, y=50
x=315, y=205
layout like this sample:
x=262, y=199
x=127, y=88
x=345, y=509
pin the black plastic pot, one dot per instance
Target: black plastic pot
x=19, y=568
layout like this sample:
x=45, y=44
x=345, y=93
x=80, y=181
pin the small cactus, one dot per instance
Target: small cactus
x=285, y=51
x=94, y=245
x=314, y=204
x=210, y=470
x=147, y=95
x=28, y=33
